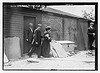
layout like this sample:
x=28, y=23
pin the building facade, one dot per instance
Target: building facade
x=64, y=26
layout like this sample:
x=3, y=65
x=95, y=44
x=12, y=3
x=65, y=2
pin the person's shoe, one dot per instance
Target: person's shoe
x=29, y=55
x=39, y=56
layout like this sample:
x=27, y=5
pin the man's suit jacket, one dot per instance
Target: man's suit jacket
x=29, y=35
x=37, y=37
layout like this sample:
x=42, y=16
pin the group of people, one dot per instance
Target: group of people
x=40, y=44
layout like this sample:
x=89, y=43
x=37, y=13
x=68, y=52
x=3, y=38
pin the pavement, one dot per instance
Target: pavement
x=80, y=61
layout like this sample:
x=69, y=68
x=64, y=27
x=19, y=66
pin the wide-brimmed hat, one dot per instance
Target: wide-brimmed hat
x=48, y=28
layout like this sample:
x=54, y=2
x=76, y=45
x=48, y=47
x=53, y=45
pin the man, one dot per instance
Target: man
x=36, y=43
x=91, y=35
x=29, y=37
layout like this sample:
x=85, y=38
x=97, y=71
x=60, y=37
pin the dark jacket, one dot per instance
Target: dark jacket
x=29, y=35
x=37, y=37
x=91, y=31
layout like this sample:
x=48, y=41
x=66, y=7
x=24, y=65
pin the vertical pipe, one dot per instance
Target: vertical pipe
x=63, y=28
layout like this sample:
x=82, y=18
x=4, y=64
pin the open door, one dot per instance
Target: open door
x=27, y=20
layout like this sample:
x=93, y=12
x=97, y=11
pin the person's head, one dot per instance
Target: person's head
x=31, y=24
x=39, y=26
x=91, y=24
x=48, y=29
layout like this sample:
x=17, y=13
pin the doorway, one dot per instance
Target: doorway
x=27, y=20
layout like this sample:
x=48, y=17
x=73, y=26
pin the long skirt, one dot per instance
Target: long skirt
x=45, y=48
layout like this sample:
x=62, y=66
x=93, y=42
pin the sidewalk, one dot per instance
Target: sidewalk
x=78, y=61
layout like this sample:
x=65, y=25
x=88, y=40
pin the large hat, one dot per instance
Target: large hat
x=48, y=28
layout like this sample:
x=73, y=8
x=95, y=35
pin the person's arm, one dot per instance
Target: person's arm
x=91, y=33
x=35, y=37
x=48, y=37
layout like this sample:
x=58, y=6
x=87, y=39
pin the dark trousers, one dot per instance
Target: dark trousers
x=91, y=40
x=36, y=50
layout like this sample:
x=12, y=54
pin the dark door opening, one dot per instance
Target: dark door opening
x=27, y=20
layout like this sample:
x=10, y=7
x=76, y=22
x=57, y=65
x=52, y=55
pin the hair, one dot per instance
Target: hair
x=31, y=24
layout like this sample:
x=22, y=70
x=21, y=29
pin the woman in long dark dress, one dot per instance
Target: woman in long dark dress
x=45, y=47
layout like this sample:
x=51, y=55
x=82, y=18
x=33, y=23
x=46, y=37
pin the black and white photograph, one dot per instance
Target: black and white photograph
x=50, y=36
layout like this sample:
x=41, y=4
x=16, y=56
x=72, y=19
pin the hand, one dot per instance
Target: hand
x=93, y=34
x=47, y=35
x=49, y=38
x=36, y=42
x=32, y=41
x=26, y=39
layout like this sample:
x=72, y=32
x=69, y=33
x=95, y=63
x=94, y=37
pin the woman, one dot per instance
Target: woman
x=45, y=47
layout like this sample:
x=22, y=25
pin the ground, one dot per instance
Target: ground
x=80, y=61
